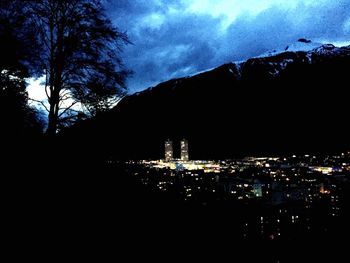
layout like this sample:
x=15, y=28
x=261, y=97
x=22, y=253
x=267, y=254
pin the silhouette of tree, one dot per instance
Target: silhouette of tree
x=18, y=119
x=17, y=45
x=100, y=96
x=80, y=57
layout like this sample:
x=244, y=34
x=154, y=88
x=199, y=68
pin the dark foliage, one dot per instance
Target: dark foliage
x=20, y=124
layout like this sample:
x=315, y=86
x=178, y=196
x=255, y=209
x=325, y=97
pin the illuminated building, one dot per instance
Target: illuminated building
x=168, y=150
x=257, y=190
x=184, y=150
x=324, y=170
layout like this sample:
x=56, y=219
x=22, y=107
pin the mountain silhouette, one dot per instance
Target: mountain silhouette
x=292, y=102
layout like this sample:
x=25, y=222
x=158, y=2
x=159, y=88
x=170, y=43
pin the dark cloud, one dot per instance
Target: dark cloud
x=169, y=42
x=276, y=27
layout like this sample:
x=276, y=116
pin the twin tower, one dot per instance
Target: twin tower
x=169, y=153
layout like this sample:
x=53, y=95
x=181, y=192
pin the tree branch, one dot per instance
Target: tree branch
x=67, y=109
x=46, y=84
x=42, y=103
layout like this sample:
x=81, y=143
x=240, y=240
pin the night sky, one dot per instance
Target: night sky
x=176, y=38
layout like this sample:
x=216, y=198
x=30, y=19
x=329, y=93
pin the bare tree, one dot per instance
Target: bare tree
x=80, y=57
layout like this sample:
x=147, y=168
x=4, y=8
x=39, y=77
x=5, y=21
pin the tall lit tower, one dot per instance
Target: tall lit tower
x=184, y=150
x=168, y=150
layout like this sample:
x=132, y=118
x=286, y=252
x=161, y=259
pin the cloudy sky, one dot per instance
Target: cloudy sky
x=174, y=38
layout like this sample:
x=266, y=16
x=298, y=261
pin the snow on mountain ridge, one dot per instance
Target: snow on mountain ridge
x=304, y=46
x=307, y=52
x=294, y=47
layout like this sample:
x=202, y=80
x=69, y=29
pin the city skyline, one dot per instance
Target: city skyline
x=269, y=199
x=169, y=150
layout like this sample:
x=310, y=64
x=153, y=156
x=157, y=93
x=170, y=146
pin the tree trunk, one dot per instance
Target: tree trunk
x=53, y=114
x=53, y=120
x=52, y=126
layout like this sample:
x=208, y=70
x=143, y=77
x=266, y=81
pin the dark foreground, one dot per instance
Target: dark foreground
x=96, y=210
